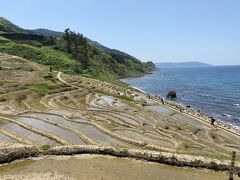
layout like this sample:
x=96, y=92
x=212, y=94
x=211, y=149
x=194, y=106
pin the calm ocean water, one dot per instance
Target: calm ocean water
x=214, y=90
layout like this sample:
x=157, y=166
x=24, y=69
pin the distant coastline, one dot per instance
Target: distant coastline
x=181, y=64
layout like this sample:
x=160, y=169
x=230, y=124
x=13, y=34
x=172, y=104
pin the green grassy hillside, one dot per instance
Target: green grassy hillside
x=42, y=55
x=7, y=26
x=70, y=53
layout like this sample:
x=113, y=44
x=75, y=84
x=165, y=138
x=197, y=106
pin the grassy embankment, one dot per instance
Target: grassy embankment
x=62, y=61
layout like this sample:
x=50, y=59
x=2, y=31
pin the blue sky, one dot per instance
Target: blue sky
x=156, y=30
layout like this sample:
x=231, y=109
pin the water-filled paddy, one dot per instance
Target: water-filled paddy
x=27, y=134
x=65, y=134
x=88, y=129
x=161, y=109
x=189, y=120
x=5, y=138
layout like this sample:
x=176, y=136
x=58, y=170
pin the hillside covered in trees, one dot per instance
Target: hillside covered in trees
x=69, y=52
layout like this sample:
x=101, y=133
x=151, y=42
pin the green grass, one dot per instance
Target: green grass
x=110, y=126
x=3, y=82
x=42, y=55
x=3, y=39
x=102, y=66
x=128, y=102
x=45, y=147
x=42, y=89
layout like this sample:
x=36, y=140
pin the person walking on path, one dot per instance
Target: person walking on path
x=212, y=121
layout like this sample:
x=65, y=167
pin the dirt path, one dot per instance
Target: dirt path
x=60, y=79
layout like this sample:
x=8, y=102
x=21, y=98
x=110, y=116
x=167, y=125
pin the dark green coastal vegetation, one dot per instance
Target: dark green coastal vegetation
x=69, y=52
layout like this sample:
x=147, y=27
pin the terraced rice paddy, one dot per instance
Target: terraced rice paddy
x=28, y=134
x=90, y=122
x=145, y=138
x=74, y=110
x=5, y=138
x=65, y=134
x=162, y=109
x=189, y=120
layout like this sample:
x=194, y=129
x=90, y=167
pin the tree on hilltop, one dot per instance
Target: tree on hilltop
x=77, y=45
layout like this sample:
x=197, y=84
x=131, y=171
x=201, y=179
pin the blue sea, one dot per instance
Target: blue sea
x=214, y=90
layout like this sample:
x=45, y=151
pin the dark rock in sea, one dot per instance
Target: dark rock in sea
x=172, y=94
x=188, y=106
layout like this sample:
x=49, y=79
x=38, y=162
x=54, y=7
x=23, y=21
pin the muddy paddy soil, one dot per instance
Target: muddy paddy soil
x=100, y=167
